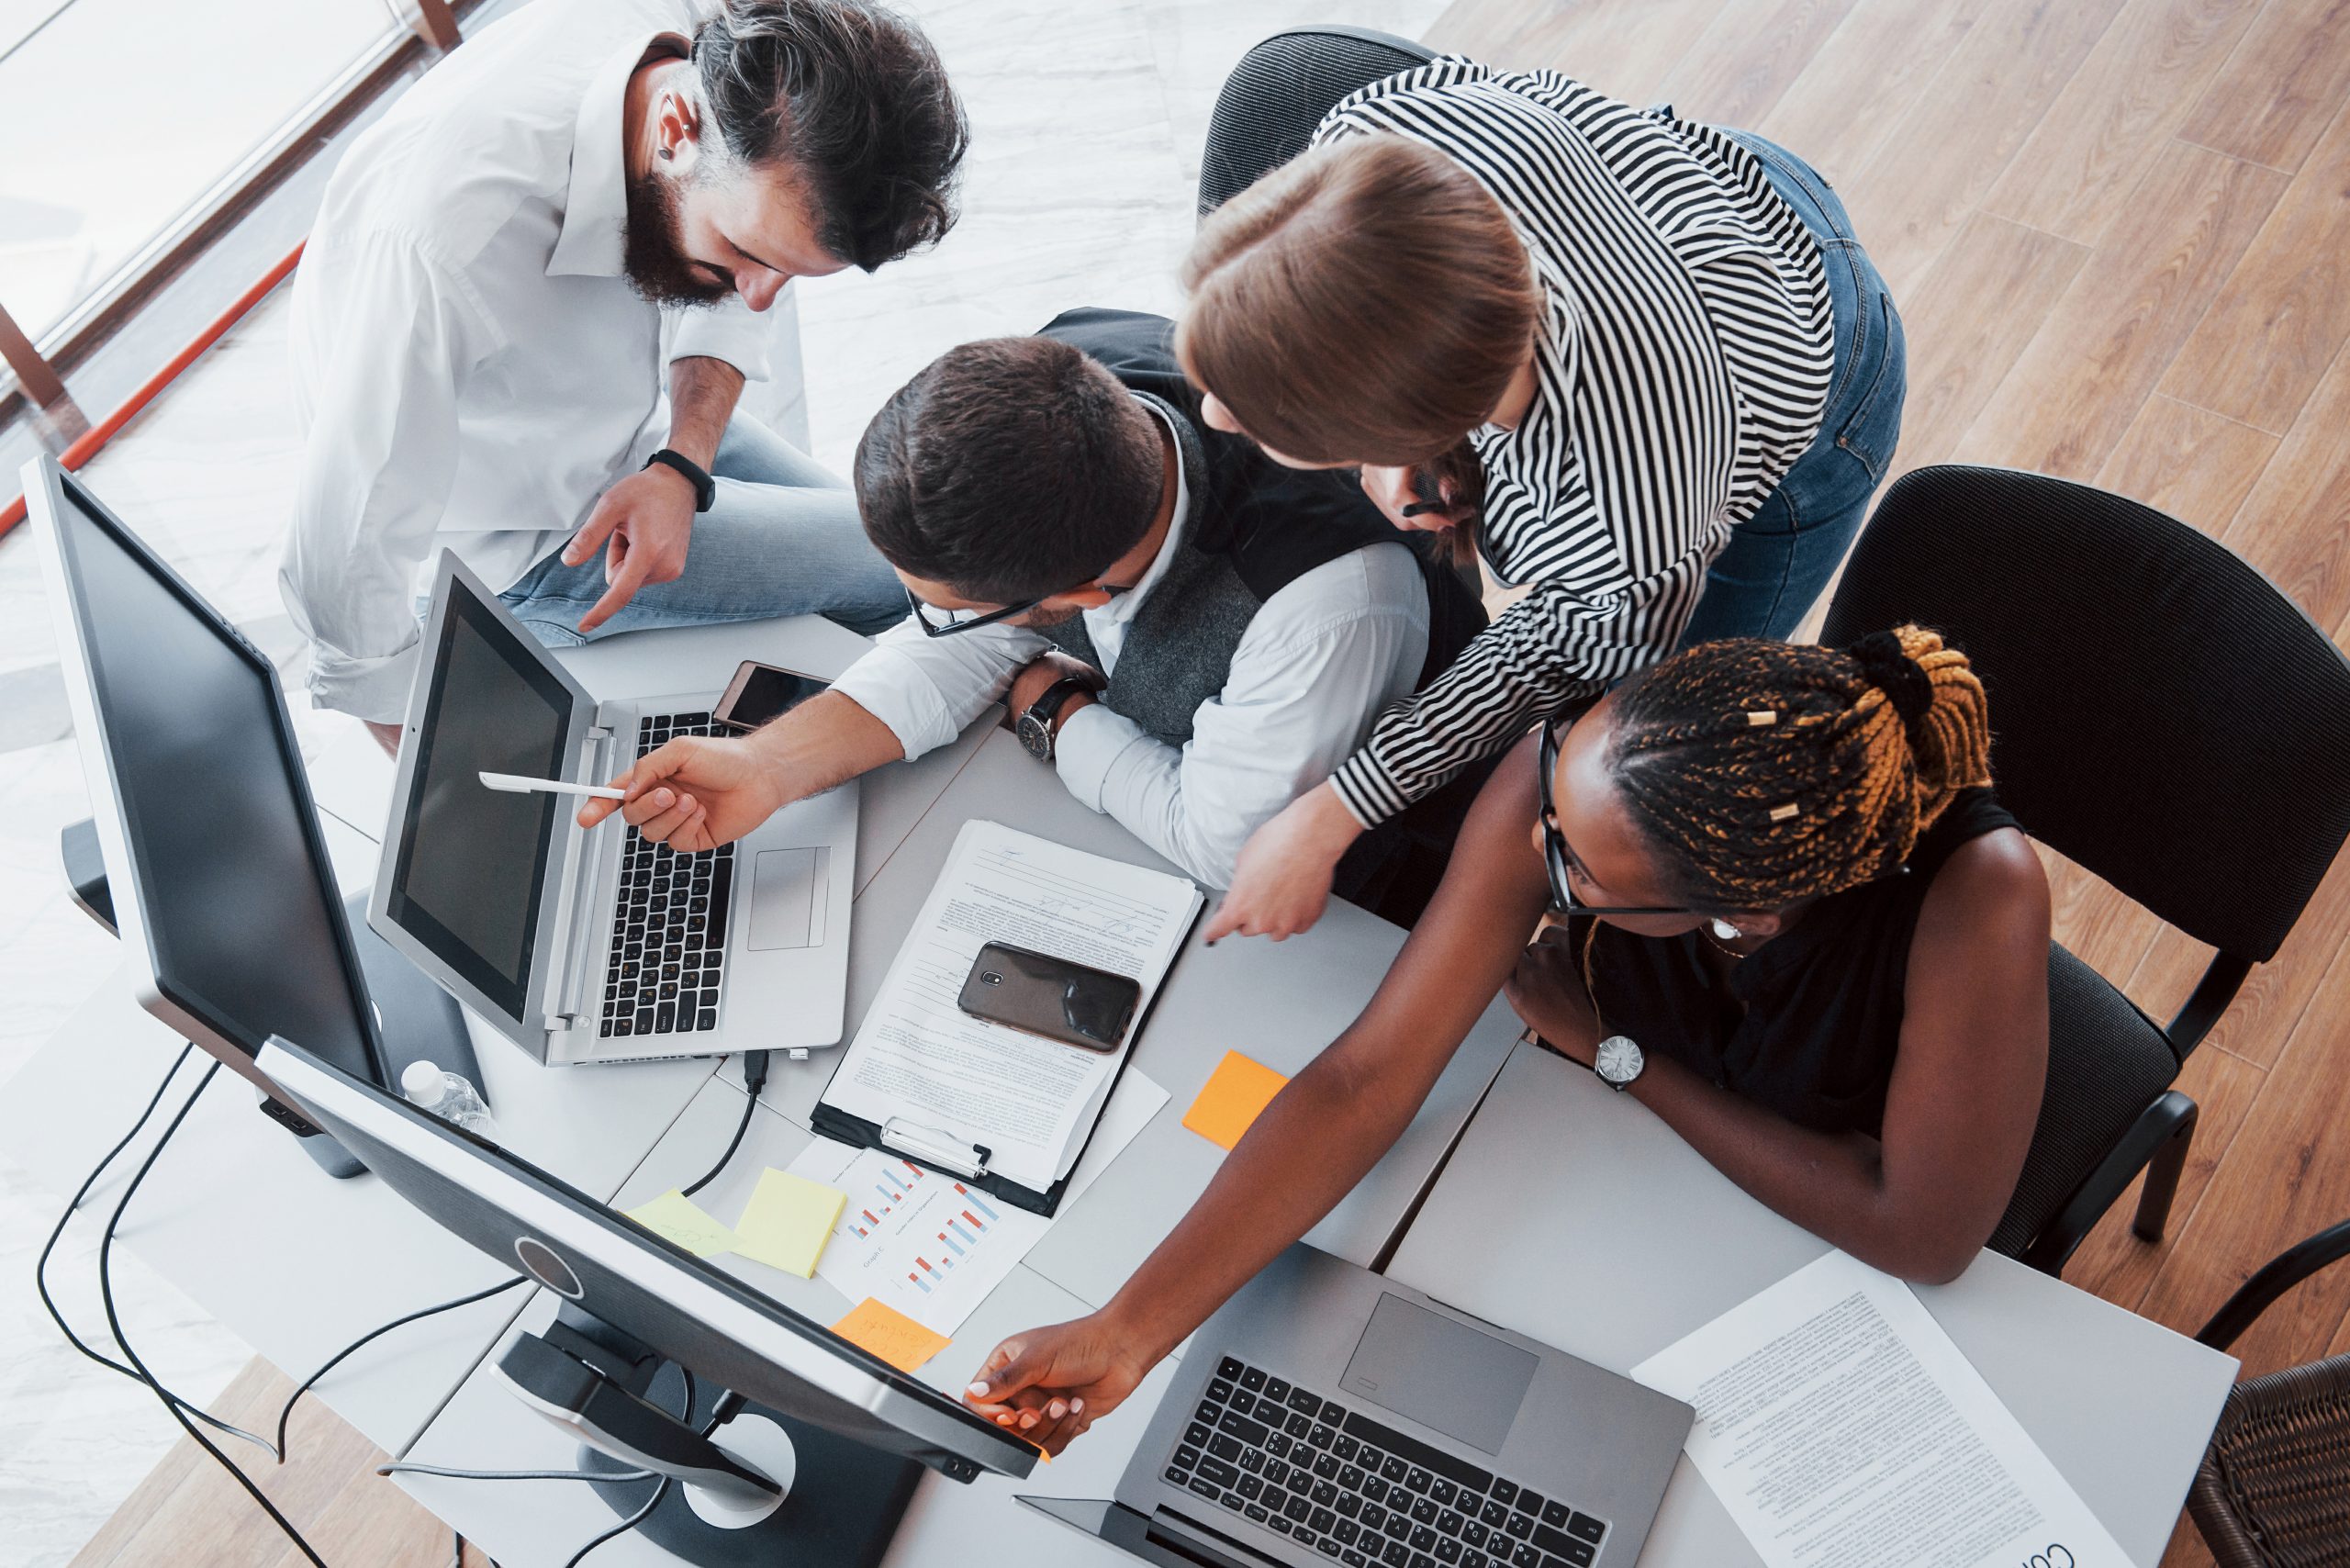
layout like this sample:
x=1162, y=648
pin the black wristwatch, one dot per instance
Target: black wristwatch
x=705, y=487
x=1036, y=724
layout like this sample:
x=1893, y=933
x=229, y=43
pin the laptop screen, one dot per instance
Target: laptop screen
x=473, y=860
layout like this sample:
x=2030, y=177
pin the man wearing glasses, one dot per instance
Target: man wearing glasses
x=1187, y=632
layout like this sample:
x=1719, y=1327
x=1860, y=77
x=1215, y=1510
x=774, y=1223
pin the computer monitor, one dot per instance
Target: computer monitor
x=857, y=1427
x=215, y=862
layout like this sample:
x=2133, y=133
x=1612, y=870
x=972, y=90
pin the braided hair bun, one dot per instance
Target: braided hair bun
x=1767, y=772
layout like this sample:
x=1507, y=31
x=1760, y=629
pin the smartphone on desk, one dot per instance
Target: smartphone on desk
x=760, y=692
x=1057, y=998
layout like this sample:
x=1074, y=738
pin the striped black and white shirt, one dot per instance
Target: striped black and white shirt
x=1682, y=367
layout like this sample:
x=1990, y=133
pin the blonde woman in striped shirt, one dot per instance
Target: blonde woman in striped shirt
x=1639, y=366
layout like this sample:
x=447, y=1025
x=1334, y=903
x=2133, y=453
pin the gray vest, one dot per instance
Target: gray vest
x=1178, y=649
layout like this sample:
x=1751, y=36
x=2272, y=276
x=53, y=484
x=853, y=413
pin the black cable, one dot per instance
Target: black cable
x=40, y=1267
x=336, y=1359
x=625, y=1525
x=114, y=1325
x=685, y=1414
x=755, y=1078
x=447, y=1473
x=728, y=1406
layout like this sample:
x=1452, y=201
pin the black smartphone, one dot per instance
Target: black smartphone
x=1057, y=998
x=760, y=692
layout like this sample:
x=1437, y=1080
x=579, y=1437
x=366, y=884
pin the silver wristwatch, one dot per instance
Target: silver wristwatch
x=1618, y=1063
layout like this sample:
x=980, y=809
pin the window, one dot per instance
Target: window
x=125, y=119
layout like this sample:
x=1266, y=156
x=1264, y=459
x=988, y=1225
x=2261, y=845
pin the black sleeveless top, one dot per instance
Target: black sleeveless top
x=1808, y=1025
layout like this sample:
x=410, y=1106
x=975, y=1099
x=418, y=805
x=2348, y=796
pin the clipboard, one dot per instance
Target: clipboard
x=940, y=1151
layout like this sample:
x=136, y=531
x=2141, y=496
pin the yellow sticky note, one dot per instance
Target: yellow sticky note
x=675, y=1217
x=890, y=1334
x=1236, y=1091
x=788, y=1221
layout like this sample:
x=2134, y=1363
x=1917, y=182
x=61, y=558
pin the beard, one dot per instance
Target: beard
x=1041, y=617
x=652, y=258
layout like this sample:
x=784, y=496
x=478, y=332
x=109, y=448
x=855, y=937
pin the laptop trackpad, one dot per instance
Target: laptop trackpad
x=788, y=889
x=1441, y=1373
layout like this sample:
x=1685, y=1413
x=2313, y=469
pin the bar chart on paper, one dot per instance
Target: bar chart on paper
x=926, y=1244
x=931, y=1246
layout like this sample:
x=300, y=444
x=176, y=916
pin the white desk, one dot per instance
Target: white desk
x=1278, y=1003
x=298, y=1265
x=1546, y=1217
x=1571, y=1214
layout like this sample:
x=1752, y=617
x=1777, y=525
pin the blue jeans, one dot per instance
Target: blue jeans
x=782, y=538
x=1780, y=560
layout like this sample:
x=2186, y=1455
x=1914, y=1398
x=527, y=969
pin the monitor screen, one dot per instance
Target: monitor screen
x=473, y=860
x=234, y=889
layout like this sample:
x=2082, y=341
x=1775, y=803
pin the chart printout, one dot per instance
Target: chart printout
x=933, y=1246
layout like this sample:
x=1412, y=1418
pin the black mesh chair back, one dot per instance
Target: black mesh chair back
x=1279, y=93
x=2161, y=713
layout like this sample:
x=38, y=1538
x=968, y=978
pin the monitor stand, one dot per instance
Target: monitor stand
x=837, y=1505
x=415, y=1019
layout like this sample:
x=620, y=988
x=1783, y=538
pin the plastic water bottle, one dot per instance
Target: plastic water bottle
x=448, y=1096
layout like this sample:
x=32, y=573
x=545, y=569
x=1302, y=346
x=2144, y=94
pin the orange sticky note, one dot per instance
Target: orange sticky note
x=1236, y=1091
x=878, y=1326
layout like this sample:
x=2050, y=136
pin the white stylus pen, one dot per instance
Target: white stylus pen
x=516, y=784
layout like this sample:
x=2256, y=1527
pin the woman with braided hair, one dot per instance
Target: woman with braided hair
x=1796, y=927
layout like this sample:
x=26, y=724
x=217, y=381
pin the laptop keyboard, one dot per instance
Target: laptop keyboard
x=668, y=922
x=1361, y=1493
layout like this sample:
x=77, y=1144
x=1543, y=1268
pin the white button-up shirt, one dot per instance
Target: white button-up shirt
x=1318, y=661
x=471, y=370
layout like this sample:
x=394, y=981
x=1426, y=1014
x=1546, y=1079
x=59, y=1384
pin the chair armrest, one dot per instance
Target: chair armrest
x=2272, y=1279
x=2105, y=1183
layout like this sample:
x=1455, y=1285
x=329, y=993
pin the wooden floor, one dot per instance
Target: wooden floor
x=186, y=1514
x=2119, y=232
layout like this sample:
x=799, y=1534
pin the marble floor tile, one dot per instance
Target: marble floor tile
x=76, y=1439
x=1197, y=44
x=26, y=640
x=1073, y=195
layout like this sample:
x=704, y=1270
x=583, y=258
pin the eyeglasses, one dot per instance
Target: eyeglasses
x=1554, y=843
x=949, y=628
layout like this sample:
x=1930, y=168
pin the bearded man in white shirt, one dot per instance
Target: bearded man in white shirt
x=1184, y=630
x=532, y=297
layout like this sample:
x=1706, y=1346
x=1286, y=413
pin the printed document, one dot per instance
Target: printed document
x=1027, y=1100
x=932, y=1246
x=1842, y=1429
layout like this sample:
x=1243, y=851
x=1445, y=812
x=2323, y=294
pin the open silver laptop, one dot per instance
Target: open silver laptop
x=592, y=946
x=1327, y=1415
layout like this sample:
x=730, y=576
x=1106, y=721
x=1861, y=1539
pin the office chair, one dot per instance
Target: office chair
x=2274, y=1487
x=2163, y=716
x=1279, y=93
